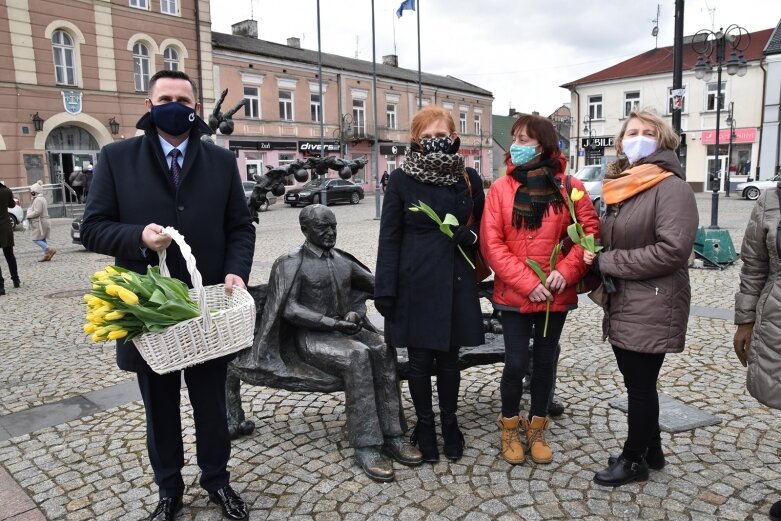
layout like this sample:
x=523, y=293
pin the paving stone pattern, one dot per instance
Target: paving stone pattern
x=296, y=464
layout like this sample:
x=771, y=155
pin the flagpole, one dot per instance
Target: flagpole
x=375, y=146
x=394, y=35
x=323, y=194
x=420, y=84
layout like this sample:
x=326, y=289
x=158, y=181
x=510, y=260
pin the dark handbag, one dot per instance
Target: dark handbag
x=592, y=279
x=482, y=270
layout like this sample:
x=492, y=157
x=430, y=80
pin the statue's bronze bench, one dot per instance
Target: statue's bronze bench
x=490, y=353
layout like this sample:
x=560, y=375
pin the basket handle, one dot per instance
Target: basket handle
x=195, y=275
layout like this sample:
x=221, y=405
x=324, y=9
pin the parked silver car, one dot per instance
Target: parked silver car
x=751, y=189
x=592, y=176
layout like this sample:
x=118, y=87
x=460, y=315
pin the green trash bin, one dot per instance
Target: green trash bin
x=715, y=246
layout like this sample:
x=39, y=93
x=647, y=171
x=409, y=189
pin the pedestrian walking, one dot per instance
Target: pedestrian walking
x=7, y=236
x=424, y=285
x=166, y=177
x=87, y=180
x=77, y=182
x=38, y=217
x=384, y=180
x=648, y=234
x=526, y=216
x=758, y=305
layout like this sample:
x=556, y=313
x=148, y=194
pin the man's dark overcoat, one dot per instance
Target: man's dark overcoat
x=132, y=187
x=435, y=290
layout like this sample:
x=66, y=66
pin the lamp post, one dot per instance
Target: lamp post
x=731, y=122
x=704, y=43
x=590, y=132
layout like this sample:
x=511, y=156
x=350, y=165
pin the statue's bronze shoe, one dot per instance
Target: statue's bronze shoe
x=399, y=449
x=374, y=464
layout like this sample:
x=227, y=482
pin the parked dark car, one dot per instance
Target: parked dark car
x=338, y=191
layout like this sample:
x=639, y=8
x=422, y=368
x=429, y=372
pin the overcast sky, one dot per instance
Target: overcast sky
x=521, y=51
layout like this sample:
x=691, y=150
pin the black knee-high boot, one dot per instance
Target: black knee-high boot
x=448, y=383
x=424, y=435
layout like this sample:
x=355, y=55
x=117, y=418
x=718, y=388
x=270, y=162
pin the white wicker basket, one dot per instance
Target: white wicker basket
x=227, y=329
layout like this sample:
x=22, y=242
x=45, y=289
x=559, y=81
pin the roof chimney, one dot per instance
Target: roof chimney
x=246, y=28
x=294, y=42
x=513, y=112
x=390, y=59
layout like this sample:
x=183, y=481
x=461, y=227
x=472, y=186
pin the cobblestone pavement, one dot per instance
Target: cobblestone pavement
x=296, y=466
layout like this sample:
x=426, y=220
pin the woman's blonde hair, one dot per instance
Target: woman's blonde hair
x=426, y=116
x=667, y=139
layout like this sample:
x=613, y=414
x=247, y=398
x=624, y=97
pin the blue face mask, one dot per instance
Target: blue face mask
x=173, y=118
x=522, y=154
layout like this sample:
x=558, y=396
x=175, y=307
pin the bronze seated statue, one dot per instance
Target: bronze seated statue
x=313, y=335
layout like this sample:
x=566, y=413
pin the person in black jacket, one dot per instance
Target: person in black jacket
x=424, y=286
x=167, y=177
x=7, y=236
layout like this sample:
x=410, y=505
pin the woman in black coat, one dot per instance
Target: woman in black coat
x=425, y=288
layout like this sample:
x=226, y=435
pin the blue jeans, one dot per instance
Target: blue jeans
x=42, y=244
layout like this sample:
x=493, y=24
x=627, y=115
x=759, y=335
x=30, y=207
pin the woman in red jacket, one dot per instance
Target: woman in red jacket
x=525, y=217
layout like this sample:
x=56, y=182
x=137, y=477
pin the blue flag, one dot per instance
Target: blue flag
x=405, y=5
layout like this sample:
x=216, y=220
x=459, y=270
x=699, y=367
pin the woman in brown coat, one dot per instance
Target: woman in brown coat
x=648, y=235
x=38, y=216
x=758, y=305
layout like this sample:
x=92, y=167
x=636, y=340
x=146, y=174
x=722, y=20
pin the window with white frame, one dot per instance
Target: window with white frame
x=171, y=59
x=141, y=67
x=252, y=102
x=462, y=122
x=713, y=93
x=391, y=115
x=359, y=117
x=478, y=124
x=595, y=107
x=141, y=4
x=677, y=100
x=315, y=107
x=286, y=105
x=168, y=7
x=631, y=102
x=477, y=165
x=64, y=58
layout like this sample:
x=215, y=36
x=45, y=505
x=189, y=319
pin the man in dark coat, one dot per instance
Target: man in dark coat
x=7, y=236
x=169, y=177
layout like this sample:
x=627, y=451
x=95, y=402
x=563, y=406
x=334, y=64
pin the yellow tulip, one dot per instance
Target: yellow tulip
x=89, y=328
x=128, y=277
x=119, y=333
x=577, y=195
x=127, y=296
x=111, y=271
x=87, y=298
x=99, y=313
x=97, y=338
x=114, y=315
x=113, y=290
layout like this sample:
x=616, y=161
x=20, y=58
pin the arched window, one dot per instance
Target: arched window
x=171, y=59
x=141, y=67
x=64, y=68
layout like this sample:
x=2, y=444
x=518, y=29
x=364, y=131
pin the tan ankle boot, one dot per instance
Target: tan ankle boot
x=539, y=450
x=512, y=450
x=50, y=253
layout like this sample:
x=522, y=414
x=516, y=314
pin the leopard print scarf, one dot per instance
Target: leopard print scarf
x=435, y=168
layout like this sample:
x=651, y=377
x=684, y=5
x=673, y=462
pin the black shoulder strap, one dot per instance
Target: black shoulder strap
x=568, y=185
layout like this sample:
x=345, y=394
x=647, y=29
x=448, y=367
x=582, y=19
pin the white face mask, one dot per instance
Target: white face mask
x=636, y=148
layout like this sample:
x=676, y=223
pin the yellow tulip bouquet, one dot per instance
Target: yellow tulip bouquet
x=125, y=304
x=575, y=230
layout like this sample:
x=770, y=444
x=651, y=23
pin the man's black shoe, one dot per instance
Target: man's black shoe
x=621, y=472
x=233, y=506
x=555, y=409
x=167, y=509
x=654, y=457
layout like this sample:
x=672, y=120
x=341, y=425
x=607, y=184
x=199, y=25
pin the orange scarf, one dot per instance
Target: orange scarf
x=632, y=182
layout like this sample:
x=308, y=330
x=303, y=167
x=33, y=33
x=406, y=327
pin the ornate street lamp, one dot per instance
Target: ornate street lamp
x=113, y=125
x=731, y=122
x=37, y=122
x=704, y=43
x=590, y=132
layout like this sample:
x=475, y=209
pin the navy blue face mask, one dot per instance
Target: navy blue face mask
x=173, y=118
